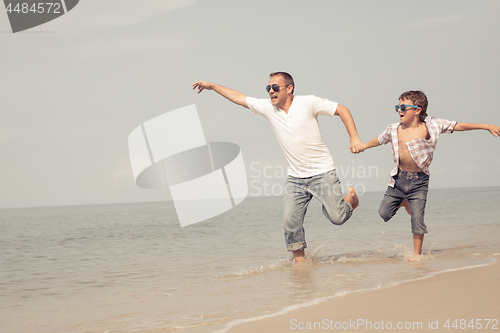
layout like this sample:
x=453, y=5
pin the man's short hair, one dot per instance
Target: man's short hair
x=288, y=79
x=419, y=99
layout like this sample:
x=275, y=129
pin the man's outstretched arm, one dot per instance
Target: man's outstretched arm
x=232, y=95
x=493, y=129
x=348, y=121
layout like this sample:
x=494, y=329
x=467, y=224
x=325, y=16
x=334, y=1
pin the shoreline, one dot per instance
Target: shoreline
x=461, y=299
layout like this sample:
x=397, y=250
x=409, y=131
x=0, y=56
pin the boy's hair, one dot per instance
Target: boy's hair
x=288, y=79
x=418, y=98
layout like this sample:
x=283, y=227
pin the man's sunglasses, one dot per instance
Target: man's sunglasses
x=275, y=87
x=403, y=107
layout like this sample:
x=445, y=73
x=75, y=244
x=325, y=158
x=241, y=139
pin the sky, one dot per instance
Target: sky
x=73, y=89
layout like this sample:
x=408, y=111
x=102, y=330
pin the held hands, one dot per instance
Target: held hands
x=356, y=146
x=202, y=85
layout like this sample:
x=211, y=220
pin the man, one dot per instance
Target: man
x=311, y=171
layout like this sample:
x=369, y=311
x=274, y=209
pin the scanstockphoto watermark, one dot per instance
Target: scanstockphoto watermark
x=269, y=180
x=365, y=324
x=358, y=324
x=170, y=151
x=26, y=14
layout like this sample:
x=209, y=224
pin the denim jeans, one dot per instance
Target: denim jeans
x=413, y=186
x=299, y=192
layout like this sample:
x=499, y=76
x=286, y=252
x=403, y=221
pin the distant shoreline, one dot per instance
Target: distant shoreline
x=170, y=201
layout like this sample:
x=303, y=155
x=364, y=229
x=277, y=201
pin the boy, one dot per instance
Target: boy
x=413, y=142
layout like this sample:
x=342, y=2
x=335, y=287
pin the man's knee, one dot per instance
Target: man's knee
x=337, y=217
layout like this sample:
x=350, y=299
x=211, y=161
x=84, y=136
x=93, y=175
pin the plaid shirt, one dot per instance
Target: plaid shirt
x=421, y=150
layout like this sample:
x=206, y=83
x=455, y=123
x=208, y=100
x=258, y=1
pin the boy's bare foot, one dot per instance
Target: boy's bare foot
x=352, y=198
x=413, y=257
x=418, y=239
x=406, y=205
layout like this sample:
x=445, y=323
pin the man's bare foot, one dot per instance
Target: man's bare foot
x=352, y=198
x=406, y=205
x=299, y=256
x=300, y=262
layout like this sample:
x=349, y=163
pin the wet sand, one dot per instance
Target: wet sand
x=464, y=300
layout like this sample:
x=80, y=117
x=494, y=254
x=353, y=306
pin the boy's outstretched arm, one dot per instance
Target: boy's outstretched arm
x=493, y=129
x=370, y=144
x=232, y=95
x=346, y=117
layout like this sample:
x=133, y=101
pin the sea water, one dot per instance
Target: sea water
x=132, y=268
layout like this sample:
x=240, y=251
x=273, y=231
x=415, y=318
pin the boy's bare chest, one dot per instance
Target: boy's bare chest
x=409, y=134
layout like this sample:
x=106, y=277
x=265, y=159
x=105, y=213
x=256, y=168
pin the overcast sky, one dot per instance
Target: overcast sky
x=73, y=89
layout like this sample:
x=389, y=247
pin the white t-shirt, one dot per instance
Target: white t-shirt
x=298, y=132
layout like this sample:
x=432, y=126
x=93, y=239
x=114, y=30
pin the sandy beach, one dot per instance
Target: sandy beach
x=464, y=300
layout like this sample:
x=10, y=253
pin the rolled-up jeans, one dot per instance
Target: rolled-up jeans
x=299, y=192
x=413, y=186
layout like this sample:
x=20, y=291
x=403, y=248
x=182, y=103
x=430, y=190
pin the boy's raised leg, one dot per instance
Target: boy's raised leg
x=418, y=239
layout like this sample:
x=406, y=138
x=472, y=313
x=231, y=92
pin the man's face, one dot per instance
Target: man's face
x=278, y=98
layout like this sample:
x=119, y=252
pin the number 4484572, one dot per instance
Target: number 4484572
x=36, y=8
x=472, y=324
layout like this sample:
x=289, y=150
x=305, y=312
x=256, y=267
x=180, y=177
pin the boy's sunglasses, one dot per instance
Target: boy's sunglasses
x=404, y=106
x=275, y=87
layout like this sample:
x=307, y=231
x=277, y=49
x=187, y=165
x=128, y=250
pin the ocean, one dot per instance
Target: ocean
x=132, y=268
